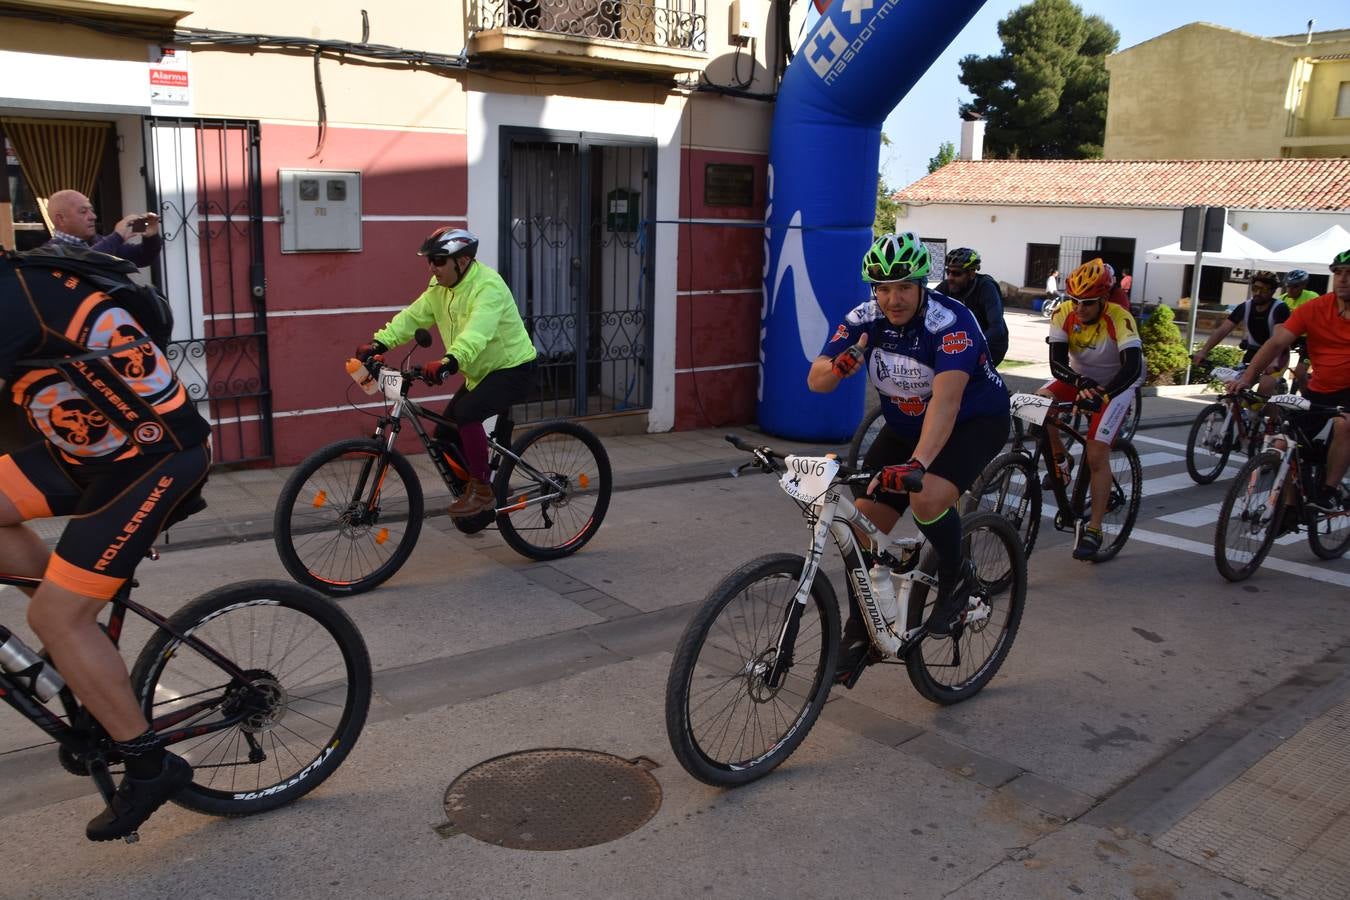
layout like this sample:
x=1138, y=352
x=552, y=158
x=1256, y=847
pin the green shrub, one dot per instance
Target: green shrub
x=1164, y=349
x=1223, y=355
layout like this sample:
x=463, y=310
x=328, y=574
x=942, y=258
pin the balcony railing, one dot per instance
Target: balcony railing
x=665, y=24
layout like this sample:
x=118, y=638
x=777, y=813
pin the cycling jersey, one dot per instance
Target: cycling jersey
x=1294, y=301
x=1259, y=327
x=902, y=361
x=1328, y=338
x=89, y=405
x=985, y=300
x=478, y=321
x=1094, y=350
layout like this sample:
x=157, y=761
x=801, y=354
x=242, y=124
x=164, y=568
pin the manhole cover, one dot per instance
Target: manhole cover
x=552, y=799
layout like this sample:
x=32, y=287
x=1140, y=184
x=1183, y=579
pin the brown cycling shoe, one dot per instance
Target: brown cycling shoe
x=137, y=798
x=477, y=497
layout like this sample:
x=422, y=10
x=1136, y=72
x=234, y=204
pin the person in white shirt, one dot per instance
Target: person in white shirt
x=1052, y=283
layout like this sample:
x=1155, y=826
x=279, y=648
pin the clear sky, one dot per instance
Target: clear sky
x=928, y=114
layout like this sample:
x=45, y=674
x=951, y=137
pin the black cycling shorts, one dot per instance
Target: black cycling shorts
x=493, y=396
x=972, y=444
x=117, y=509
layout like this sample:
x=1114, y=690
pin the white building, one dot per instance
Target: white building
x=1027, y=217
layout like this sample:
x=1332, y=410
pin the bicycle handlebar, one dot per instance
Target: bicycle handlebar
x=770, y=461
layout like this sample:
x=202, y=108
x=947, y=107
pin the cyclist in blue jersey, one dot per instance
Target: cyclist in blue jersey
x=945, y=406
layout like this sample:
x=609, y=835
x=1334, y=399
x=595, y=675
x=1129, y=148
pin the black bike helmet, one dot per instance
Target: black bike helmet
x=452, y=242
x=1265, y=277
x=1341, y=259
x=964, y=258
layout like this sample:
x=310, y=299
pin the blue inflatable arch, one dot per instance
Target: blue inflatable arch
x=861, y=58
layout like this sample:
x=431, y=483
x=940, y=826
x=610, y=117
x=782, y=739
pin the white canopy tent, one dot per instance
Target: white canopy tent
x=1238, y=252
x=1314, y=253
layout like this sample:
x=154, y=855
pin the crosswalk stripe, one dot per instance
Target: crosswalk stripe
x=1159, y=458
x=1316, y=573
x=1209, y=515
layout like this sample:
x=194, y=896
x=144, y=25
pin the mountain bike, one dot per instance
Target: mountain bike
x=1231, y=422
x=756, y=662
x=1050, y=305
x=1268, y=495
x=1010, y=486
x=263, y=686
x=349, y=516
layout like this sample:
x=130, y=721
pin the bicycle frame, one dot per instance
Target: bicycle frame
x=83, y=734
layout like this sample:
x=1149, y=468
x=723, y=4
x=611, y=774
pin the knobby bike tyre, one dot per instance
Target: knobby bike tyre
x=312, y=663
x=555, y=526
x=1328, y=533
x=1127, y=482
x=936, y=669
x=726, y=724
x=335, y=541
x=1249, y=521
x=1010, y=487
x=1209, y=444
x=863, y=438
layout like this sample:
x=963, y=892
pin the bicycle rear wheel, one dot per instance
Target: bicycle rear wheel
x=727, y=724
x=946, y=669
x=311, y=670
x=1009, y=486
x=1209, y=443
x=1249, y=519
x=1122, y=506
x=1328, y=533
x=348, y=517
x=1130, y=424
x=552, y=499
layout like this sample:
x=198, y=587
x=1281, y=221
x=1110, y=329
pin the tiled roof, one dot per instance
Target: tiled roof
x=1305, y=184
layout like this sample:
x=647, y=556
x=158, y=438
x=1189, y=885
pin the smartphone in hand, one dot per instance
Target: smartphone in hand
x=139, y=224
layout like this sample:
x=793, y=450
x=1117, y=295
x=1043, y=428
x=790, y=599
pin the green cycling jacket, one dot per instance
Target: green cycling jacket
x=478, y=321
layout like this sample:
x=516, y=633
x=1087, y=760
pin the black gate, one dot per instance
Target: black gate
x=203, y=178
x=576, y=239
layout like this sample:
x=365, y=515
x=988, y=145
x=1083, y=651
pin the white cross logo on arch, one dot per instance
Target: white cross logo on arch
x=855, y=8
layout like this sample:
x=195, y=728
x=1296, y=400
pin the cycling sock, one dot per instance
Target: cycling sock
x=944, y=533
x=144, y=755
x=473, y=439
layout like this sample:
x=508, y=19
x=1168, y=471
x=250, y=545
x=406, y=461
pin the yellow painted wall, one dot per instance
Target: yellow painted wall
x=1199, y=92
x=1320, y=100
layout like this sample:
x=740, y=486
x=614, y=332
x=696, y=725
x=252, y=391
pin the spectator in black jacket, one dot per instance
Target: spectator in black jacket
x=73, y=222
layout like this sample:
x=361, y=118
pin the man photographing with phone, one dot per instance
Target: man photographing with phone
x=135, y=237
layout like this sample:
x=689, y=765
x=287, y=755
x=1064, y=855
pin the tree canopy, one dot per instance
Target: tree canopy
x=1044, y=96
x=946, y=153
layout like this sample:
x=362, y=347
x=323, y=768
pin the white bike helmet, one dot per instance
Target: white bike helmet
x=447, y=241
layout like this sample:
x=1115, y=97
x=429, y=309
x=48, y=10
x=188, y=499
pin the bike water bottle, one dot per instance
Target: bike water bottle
x=17, y=659
x=361, y=376
x=884, y=592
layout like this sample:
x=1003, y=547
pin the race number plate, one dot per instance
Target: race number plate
x=1225, y=374
x=1030, y=407
x=1291, y=401
x=391, y=382
x=808, y=477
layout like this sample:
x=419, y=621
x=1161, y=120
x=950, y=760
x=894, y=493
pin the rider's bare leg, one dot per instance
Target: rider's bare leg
x=1099, y=463
x=1338, y=452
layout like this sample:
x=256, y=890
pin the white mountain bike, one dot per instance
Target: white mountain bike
x=756, y=663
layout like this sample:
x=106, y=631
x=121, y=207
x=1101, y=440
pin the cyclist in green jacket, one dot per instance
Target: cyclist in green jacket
x=485, y=341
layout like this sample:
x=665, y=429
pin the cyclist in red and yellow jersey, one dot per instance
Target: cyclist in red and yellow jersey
x=122, y=448
x=1097, y=359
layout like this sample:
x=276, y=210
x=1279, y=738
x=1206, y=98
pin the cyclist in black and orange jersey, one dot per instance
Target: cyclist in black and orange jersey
x=122, y=448
x=1097, y=359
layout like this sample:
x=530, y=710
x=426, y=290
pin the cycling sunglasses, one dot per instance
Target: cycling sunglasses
x=1092, y=301
x=438, y=261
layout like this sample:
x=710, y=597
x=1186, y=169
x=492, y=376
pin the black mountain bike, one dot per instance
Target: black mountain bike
x=1011, y=486
x=1268, y=495
x=1230, y=423
x=263, y=686
x=349, y=516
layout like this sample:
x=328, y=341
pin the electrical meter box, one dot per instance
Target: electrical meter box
x=621, y=210
x=320, y=210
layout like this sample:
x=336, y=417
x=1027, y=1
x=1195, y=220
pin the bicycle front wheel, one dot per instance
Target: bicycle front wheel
x=1328, y=533
x=258, y=745
x=348, y=517
x=949, y=669
x=1209, y=443
x=1250, y=518
x=1009, y=486
x=554, y=494
x=1122, y=504
x=734, y=708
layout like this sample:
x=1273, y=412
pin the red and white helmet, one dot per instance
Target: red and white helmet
x=447, y=241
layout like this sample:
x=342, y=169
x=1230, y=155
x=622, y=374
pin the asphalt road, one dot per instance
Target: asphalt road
x=1031, y=789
